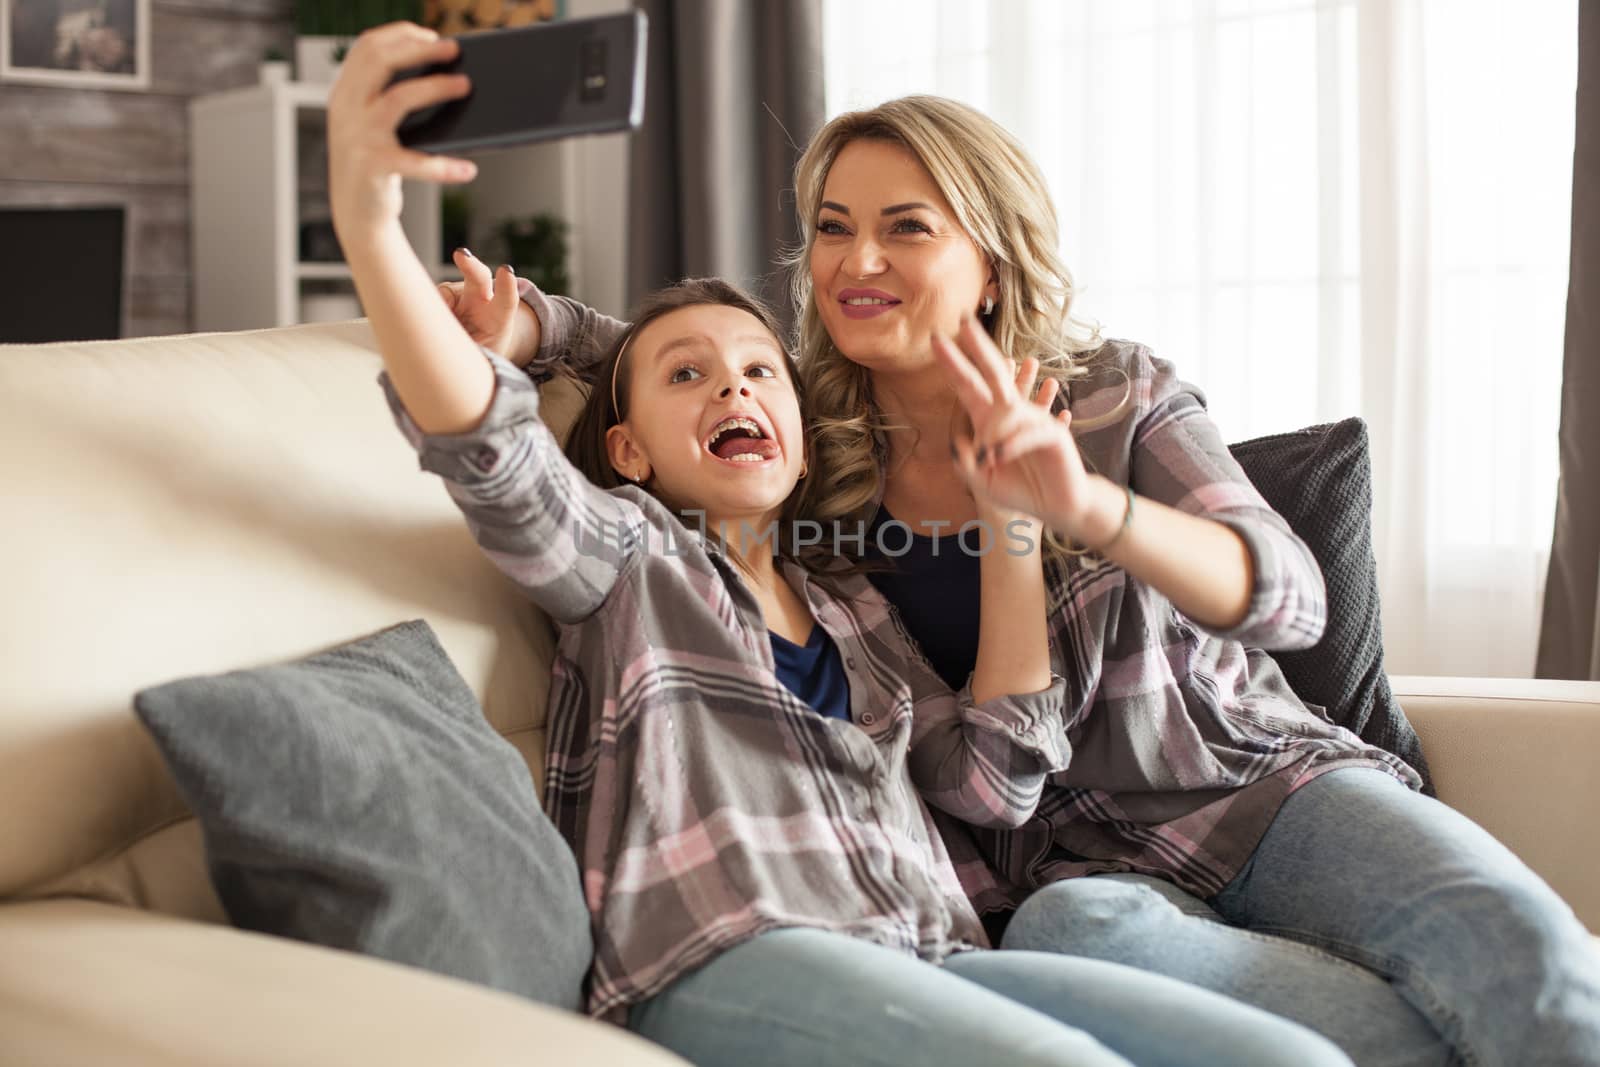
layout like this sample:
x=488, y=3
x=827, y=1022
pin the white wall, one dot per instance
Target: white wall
x=584, y=180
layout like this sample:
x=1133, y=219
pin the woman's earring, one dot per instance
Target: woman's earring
x=988, y=305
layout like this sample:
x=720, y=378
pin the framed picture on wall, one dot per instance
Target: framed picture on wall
x=90, y=44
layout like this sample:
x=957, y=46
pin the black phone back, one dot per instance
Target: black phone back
x=537, y=83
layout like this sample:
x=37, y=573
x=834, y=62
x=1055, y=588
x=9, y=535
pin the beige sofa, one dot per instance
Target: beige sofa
x=195, y=504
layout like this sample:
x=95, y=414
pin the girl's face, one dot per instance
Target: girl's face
x=889, y=264
x=712, y=413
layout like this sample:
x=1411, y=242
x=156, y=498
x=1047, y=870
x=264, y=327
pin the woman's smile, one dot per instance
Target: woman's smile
x=866, y=303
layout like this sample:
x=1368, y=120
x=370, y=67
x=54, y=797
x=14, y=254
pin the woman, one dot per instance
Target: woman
x=1211, y=805
x=763, y=875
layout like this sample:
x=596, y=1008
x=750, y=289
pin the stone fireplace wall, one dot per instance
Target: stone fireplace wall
x=71, y=146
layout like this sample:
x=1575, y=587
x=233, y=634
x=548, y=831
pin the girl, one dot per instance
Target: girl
x=737, y=742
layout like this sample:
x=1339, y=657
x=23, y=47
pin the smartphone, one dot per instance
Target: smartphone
x=536, y=83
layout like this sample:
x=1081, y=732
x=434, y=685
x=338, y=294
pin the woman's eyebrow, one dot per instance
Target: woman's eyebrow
x=892, y=209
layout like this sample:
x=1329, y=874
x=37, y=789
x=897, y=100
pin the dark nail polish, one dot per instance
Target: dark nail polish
x=467, y=252
x=507, y=268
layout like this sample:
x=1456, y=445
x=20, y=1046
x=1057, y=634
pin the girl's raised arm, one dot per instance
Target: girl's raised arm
x=472, y=416
x=438, y=371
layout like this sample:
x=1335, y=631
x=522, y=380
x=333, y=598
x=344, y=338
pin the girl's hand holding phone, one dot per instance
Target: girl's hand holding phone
x=365, y=159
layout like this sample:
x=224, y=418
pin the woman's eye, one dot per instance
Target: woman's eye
x=831, y=226
x=910, y=226
x=766, y=370
x=682, y=374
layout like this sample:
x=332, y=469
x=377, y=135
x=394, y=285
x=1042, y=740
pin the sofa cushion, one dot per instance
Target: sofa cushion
x=1320, y=480
x=190, y=505
x=358, y=799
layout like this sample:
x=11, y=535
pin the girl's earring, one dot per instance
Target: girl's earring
x=988, y=305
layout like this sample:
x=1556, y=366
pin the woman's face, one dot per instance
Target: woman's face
x=889, y=264
x=712, y=413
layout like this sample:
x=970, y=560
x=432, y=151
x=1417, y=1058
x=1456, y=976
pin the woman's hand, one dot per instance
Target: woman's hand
x=488, y=308
x=1020, y=456
x=365, y=158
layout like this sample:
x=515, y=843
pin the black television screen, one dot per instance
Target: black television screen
x=61, y=276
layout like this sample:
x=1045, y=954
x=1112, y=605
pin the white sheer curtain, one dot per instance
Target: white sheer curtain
x=1315, y=208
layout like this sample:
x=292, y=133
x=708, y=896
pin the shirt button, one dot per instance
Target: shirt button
x=485, y=458
x=850, y=662
x=868, y=718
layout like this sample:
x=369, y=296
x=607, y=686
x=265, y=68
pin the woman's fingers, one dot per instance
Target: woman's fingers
x=1026, y=374
x=971, y=389
x=1047, y=393
x=997, y=371
x=1032, y=437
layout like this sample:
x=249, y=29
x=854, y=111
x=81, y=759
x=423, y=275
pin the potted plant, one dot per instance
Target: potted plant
x=536, y=248
x=325, y=29
x=274, y=67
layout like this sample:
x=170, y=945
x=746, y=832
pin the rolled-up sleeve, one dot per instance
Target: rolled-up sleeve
x=573, y=337
x=1179, y=459
x=560, y=538
x=986, y=763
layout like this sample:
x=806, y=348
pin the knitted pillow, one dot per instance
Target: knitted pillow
x=1320, y=480
x=358, y=799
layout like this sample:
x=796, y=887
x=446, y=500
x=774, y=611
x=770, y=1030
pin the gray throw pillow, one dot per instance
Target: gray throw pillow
x=1320, y=480
x=358, y=799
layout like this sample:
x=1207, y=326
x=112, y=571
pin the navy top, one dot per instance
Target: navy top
x=813, y=672
x=934, y=586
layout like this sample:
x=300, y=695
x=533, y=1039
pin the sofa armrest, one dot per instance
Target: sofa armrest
x=89, y=983
x=1519, y=757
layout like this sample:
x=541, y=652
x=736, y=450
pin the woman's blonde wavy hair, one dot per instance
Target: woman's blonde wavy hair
x=1002, y=202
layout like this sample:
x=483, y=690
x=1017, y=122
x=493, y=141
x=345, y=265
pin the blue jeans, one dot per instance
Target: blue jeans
x=1378, y=917
x=803, y=997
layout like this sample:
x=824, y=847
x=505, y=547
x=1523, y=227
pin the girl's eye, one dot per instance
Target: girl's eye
x=679, y=375
x=831, y=226
x=767, y=369
x=910, y=226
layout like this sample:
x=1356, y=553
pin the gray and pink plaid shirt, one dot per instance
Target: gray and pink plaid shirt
x=706, y=803
x=1184, y=741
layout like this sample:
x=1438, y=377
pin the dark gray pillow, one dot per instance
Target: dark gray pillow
x=358, y=799
x=1320, y=480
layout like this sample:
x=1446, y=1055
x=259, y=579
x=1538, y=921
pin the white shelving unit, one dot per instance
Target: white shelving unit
x=245, y=197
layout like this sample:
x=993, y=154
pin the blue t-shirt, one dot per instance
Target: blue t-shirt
x=935, y=587
x=813, y=672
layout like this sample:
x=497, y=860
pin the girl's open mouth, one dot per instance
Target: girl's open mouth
x=741, y=440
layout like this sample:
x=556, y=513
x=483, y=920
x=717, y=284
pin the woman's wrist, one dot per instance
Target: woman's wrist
x=1103, y=516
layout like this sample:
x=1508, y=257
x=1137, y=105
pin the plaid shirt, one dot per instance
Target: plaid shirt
x=705, y=802
x=1184, y=740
